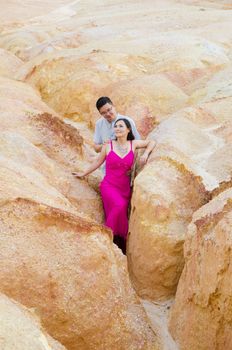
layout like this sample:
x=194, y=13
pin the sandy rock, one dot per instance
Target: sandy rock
x=86, y=77
x=158, y=313
x=165, y=196
x=9, y=63
x=136, y=91
x=75, y=55
x=83, y=77
x=63, y=278
x=147, y=99
x=201, y=315
x=192, y=158
x=39, y=152
x=215, y=97
x=20, y=329
x=15, y=10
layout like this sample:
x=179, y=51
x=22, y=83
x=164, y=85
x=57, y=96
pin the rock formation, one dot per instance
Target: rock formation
x=177, y=181
x=68, y=269
x=39, y=152
x=9, y=63
x=201, y=315
x=168, y=65
x=20, y=329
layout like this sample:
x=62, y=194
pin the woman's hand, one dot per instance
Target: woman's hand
x=78, y=175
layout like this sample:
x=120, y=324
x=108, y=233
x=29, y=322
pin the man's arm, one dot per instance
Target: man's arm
x=97, y=139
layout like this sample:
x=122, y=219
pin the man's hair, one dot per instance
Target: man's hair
x=102, y=101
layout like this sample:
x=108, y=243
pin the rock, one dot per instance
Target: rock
x=20, y=329
x=201, y=316
x=67, y=268
x=165, y=196
x=9, y=63
x=39, y=152
x=148, y=99
x=191, y=161
x=215, y=96
x=84, y=79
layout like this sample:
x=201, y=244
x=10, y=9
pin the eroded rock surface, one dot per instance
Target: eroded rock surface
x=9, y=63
x=160, y=213
x=20, y=329
x=39, y=152
x=201, y=315
x=68, y=269
x=165, y=63
x=182, y=175
x=80, y=51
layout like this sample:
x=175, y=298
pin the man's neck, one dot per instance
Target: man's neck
x=112, y=121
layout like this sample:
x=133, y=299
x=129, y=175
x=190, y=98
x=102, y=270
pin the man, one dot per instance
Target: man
x=104, y=129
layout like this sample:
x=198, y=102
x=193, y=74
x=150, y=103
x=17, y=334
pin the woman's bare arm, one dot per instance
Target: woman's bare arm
x=95, y=165
x=149, y=145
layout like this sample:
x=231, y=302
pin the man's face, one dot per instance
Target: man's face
x=108, y=112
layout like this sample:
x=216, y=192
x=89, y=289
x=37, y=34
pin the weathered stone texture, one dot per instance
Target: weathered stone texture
x=201, y=315
x=21, y=330
x=68, y=270
x=165, y=196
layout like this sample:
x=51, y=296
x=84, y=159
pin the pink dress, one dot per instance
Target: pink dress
x=116, y=191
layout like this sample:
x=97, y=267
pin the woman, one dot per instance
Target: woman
x=115, y=187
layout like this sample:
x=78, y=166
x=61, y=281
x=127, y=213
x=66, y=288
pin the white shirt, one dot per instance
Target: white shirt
x=105, y=131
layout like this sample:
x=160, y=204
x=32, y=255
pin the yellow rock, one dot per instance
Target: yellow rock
x=68, y=269
x=201, y=315
x=20, y=329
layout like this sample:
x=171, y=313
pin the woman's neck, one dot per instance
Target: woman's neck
x=122, y=140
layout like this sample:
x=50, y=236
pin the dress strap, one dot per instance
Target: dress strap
x=111, y=145
x=131, y=145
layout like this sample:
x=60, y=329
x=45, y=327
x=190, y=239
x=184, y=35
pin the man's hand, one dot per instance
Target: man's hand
x=98, y=147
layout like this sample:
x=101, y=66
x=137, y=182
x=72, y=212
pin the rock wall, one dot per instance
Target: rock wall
x=20, y=329
x=191, y=162
x=201, y=316
x=168, y=65
x=68, y=269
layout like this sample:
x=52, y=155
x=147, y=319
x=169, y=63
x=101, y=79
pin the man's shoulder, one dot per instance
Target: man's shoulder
x=100, y=121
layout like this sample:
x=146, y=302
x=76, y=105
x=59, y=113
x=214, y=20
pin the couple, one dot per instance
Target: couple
x=116, y=138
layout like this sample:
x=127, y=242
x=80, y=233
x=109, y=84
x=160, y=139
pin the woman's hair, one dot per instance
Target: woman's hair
x=130, y=135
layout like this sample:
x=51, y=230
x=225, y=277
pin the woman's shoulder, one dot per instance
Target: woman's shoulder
x=108, y=147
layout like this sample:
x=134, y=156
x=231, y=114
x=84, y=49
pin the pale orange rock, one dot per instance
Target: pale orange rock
x=149, y=56
x=147, y=99
x=201, y=315
x=16, y=10
x=191, y=159
x=20, y=329
x=74, y=56
x=67, y=268
x=215, y=96
x=165, y=196
x=9, y=63
x=39, y=152
x=83, y=78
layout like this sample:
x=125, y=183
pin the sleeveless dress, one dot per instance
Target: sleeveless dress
x=116, y=191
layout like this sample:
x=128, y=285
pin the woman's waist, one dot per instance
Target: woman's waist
x=116, y=180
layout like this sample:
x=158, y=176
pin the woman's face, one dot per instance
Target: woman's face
x=120, y=129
